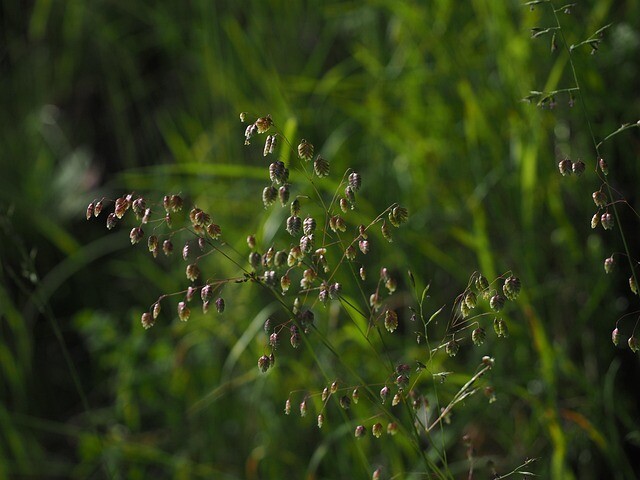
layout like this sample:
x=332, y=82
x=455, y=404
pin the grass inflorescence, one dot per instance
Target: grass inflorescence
x=312, y=266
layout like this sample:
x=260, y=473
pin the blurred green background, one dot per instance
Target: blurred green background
x=424, y=99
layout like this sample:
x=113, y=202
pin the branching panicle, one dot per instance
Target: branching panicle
x=317, y=243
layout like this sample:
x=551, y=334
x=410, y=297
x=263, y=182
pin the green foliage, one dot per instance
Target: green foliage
x=423, y=99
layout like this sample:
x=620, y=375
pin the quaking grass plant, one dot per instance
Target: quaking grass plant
x=607, y=198
x=314, y=268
